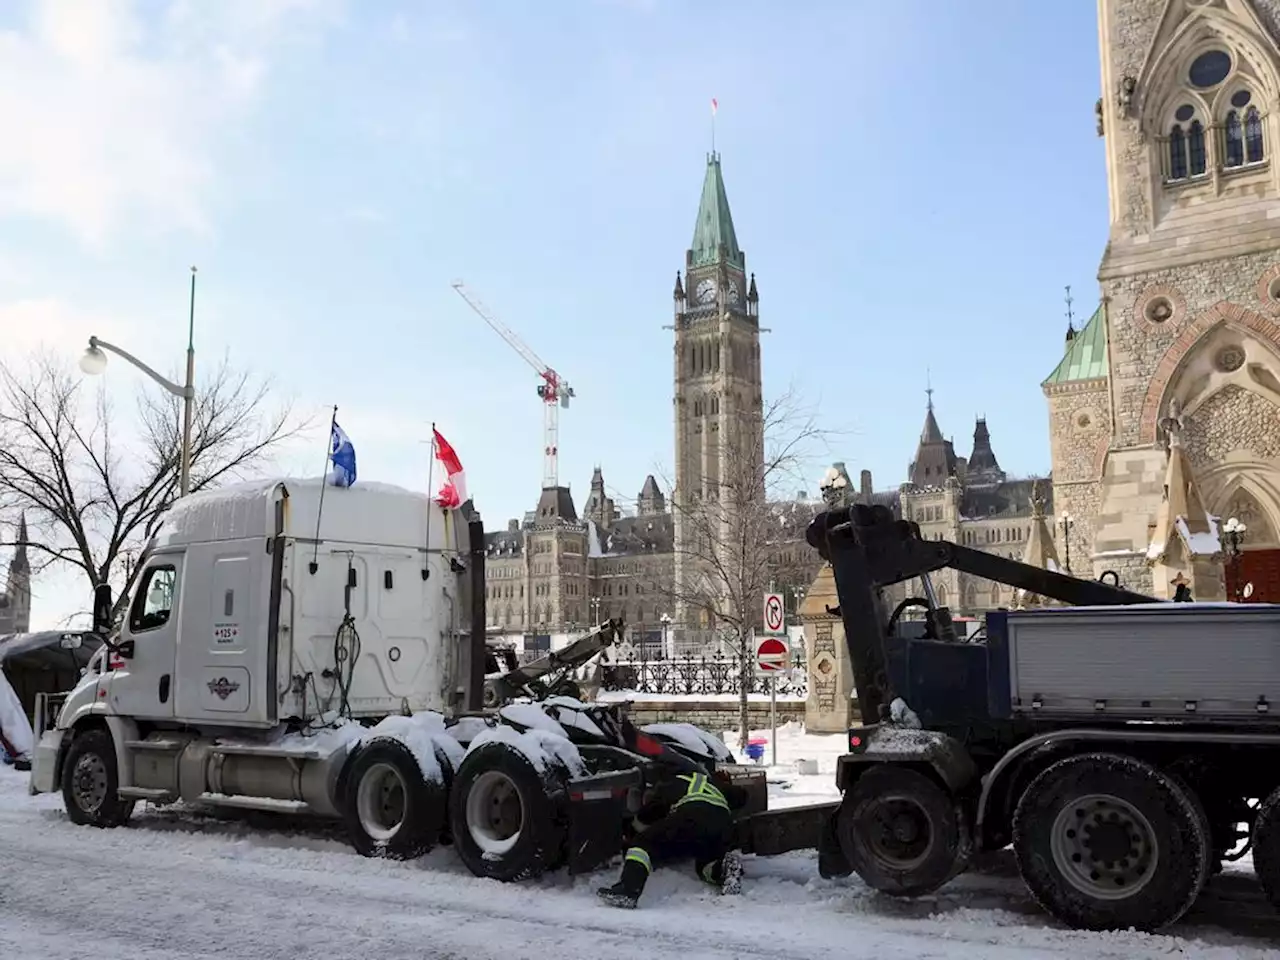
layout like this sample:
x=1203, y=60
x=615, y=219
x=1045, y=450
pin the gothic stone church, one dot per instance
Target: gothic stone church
x=15, y=601
x=1165, y=409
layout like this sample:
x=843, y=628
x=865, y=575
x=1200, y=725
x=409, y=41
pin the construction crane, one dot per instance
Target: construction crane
x=554, y=392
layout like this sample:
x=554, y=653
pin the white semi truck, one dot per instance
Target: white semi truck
x=313, y=650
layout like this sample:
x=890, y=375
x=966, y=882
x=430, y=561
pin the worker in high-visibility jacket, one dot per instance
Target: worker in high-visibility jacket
x=684, y=815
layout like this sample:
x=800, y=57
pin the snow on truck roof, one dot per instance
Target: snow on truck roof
x=374, y=513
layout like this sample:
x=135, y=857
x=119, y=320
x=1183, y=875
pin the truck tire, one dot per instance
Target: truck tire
x=91, y=781
x=390, y=809
x=1266, y=847
x=508, y=819
x=902, y=833
x=1108, y=842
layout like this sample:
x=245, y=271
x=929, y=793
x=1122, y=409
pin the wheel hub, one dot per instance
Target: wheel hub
x=494, y=812
x=900, y=832
x=1104, y=847
x=89, y=782
x=381, y=801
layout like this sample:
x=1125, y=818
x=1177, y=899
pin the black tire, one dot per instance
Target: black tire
x=1266, y=847
x=902, y=833
x=389, y=808
x=509, y=820
x=1107, y=842
x=91, y=782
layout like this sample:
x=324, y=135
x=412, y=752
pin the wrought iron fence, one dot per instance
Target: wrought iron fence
x=698, y=676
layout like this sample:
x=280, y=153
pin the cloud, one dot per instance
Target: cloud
x=49, y=323
x=117, y=117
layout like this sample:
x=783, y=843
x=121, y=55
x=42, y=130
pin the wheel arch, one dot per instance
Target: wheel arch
x=1014, y=771
x=121, y=730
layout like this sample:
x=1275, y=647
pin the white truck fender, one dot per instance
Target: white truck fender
x=122, y=730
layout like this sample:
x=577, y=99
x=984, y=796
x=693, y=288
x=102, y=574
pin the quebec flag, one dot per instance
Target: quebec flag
x=343, y=455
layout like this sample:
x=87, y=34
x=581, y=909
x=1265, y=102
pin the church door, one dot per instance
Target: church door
x=1259, y=567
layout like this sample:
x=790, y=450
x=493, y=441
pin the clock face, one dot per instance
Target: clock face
x=733, y=291
x=706, y=290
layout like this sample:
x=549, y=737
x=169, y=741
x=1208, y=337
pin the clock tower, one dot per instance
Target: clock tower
x=718, y=399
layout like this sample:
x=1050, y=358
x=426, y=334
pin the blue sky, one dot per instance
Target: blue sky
x=913, y=183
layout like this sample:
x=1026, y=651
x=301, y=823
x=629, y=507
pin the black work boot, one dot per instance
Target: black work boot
x=731, y=872
x=618, y=896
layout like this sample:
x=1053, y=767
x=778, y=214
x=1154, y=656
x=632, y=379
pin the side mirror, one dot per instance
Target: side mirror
x=102, y=606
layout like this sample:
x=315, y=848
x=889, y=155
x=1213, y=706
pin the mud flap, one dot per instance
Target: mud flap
x=832, y=862
x=597, y=813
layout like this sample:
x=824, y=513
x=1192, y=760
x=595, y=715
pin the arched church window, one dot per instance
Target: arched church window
x=1253, y=136
x=1177, y=153
x=1233, y=131
x=1195, y=147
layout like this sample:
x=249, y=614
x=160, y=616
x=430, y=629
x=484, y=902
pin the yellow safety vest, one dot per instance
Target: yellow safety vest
x=703, y=790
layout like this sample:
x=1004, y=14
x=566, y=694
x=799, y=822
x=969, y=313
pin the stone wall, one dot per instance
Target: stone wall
x=715, y=716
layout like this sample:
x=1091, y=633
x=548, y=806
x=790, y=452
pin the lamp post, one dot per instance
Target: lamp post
x=1067, y=524
x=667, y=652
x=1233, y=531
x=595, y=610
x=94, y=362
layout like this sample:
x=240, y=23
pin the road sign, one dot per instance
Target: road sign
x=774, y=618
x=772, y=655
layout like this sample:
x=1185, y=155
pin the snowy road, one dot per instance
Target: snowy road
x=178, y=886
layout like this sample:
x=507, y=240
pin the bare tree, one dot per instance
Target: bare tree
x=742, y=531
x=92, y=494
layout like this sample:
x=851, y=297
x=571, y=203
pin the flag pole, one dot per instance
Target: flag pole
x=324, y=482
x=431, y=469
x=714, y=107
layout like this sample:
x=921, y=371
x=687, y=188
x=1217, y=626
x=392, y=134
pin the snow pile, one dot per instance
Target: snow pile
x=540, y=747
x=466, y=729
x=13, y=722
x=693, y=739
x=324, y=735
x=1201, y=543
x=421, y=734
x=903, y=715
x=896, y=741
x=532, y=716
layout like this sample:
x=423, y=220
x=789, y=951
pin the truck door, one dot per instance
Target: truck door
x=142, y=683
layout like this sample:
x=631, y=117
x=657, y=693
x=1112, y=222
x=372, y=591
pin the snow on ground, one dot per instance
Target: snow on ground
x=176, y=884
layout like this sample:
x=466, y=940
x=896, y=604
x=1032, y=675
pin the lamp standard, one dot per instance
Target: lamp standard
x=94, y=362
x=1234, y=531
x=665, y=620
x=595, y=610
x=1067, y=524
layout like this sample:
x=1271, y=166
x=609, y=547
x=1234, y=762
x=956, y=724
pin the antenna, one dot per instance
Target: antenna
x=1070, y=316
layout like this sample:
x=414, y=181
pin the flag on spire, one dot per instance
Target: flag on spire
x=453, y=492
x=715, y=105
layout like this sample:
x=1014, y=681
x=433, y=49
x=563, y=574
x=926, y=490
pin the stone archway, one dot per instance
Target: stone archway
x=1221, y=365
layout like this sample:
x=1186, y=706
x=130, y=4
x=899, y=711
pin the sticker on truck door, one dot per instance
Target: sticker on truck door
x=225, y=633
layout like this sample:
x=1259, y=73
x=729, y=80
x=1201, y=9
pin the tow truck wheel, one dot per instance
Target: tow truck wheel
x=90, y=781
x=1266, y=847
x=390, y=809
x=902, y=833
x=1108, y=842
x=508, y=818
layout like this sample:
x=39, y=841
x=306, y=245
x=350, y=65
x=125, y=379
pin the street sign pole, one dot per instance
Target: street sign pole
x=773, y=718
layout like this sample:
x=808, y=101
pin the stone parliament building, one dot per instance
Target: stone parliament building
x=1163, y=410
x=15, y=600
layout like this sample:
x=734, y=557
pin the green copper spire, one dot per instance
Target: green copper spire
x=713, y=236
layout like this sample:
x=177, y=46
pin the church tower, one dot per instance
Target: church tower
x=718, y=397
x=1186, y=339
x=15, y=602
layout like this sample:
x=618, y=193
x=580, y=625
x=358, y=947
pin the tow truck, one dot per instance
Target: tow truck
x=1123, y=746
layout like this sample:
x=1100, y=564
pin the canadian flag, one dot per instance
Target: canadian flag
x=453, y=492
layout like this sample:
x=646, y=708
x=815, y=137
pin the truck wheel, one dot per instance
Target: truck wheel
x=1266, y=847
x=90, y=781
x=508, y=823
x=390, y=810
x=902, y=833
x=1108, y=842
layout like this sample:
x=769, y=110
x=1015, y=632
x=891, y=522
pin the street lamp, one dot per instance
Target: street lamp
x=595, y=610
x=665, y=620
x=1234, y=531
x=94, y=362
x=1067, y=524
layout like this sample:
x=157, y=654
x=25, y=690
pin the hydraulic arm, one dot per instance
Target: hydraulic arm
x=869, y=549
x=540, y=677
